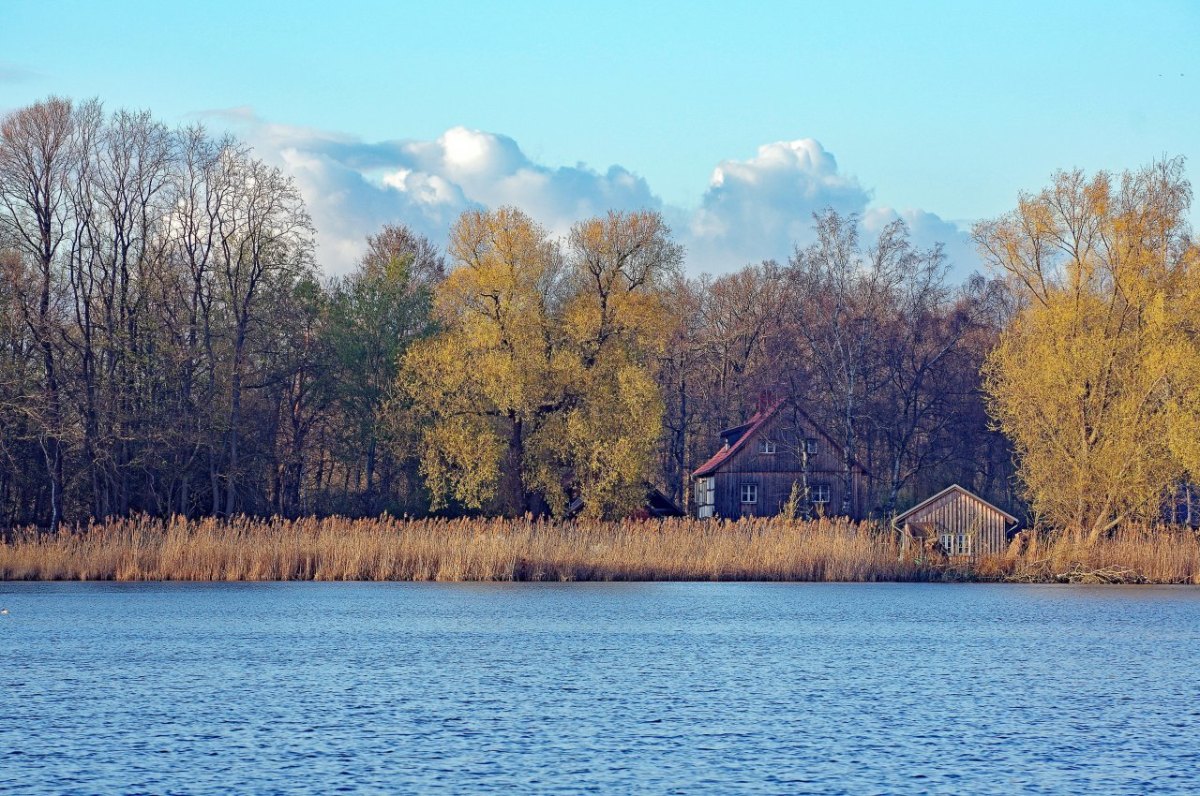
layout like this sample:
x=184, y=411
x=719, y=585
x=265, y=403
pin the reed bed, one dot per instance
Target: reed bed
x=1135, y=553
x=245, y=549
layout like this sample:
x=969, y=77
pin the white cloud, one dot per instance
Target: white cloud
x=353, y=187
x=928, y=229
x=753, y=209
x=760, y=208
x=763, y=207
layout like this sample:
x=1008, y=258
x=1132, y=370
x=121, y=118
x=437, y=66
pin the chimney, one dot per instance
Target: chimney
x=766, y=399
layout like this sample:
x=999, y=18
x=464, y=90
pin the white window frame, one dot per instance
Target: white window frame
x=817, y=491
x=706, y=497
x=768, y=446
x=958, y=544
x=810, y=446
x=749, y=494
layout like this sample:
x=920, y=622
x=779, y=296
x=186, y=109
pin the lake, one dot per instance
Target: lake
x=609, y=688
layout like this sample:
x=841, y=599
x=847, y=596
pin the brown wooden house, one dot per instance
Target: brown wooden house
x=778, y=450
x=963, y=523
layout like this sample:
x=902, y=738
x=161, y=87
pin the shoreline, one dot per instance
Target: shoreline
x=500, y=550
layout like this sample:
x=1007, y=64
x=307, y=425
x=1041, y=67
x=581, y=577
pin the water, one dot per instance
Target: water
x=621, y=688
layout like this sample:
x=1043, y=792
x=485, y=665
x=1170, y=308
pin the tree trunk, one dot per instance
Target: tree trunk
x=513, y=500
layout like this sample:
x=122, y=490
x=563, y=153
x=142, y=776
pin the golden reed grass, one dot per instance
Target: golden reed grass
x=514, y=550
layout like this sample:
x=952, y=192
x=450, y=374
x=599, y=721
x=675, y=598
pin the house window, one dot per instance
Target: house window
x=749, y=493
x=820, y=493
x=958, y=544
x=767, y=446
x=706, y=497
x=810, y=446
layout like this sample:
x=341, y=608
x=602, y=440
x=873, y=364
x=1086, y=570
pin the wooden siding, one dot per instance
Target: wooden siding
x=972, y=526
x=774, y=473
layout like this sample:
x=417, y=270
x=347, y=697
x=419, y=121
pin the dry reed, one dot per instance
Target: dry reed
x=506, y=550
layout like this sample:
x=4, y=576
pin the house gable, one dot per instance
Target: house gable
x=953, y=496
x=793, y=433
x=961, y=521
x=761, y=461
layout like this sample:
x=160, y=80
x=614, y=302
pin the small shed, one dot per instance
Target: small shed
x=961, y=521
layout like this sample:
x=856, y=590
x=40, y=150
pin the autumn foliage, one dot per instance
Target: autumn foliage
x=539, y=387
x=170, y=345
x=1097, y=379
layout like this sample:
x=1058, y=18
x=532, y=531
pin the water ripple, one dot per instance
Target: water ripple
x=594, y=688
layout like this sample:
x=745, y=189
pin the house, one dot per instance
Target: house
x=961, y=521
x=656, y=506
x=762, y=461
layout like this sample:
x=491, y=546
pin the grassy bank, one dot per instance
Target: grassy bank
x=504, y=550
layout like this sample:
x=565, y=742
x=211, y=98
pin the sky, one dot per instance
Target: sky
x=736, y=120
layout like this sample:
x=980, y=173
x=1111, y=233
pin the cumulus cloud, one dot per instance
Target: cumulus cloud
x=760, y=208
x=753, y=209
x=763, y=207
x=353, y=187
x=927, y=230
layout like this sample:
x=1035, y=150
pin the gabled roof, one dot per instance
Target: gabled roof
x=751, y=427
x=657, y=504
x=748, y=429
x=900, y=518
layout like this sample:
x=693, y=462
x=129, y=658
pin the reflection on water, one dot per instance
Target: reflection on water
x=657, y=688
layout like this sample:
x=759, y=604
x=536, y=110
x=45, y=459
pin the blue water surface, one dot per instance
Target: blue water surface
x=598, y=688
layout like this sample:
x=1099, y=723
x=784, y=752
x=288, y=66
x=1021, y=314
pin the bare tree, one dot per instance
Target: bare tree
x=36, y=163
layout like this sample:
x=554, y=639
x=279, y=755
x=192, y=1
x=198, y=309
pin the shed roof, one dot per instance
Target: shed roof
x=900, y=518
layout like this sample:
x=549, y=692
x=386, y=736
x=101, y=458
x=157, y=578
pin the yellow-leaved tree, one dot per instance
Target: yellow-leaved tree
x=1097, y=379
x=617, y=324
x=538, y=388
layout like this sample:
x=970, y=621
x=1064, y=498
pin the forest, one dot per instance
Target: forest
x=169, y=346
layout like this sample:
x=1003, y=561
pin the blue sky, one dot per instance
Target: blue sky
x=937, y=112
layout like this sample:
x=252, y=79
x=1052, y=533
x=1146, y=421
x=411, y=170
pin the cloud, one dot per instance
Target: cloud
x=353, y=187
x=15, y=73
x=760, y=208
x=927, y=230
x=753, y=209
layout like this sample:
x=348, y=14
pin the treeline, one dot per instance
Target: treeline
x=168, y=346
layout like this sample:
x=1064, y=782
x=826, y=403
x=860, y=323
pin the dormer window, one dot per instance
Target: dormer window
x=767, y=446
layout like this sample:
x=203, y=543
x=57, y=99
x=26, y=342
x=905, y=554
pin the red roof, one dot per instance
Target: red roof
x=751, y=426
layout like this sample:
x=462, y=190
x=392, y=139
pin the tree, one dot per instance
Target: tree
x=376, y=312
x=487, y=382
x=264, y=242
x=539, y=387
x=843, y=299
x=619, y=266
x=1095, y=381
x=37, y=157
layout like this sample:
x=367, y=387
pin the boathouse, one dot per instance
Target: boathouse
x=779, y=451
x=963, y=523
